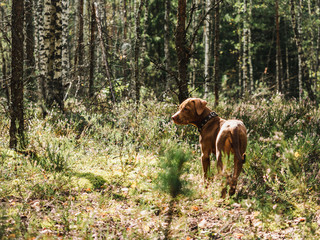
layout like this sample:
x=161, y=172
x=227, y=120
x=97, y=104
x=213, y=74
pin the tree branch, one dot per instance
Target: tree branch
x=203, y=17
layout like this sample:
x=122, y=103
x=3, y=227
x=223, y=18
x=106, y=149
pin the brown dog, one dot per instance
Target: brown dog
x=217, y=135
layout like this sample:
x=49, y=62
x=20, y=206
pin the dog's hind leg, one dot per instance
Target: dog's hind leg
x=236, y=173
x=220, y=147
x=239, y=160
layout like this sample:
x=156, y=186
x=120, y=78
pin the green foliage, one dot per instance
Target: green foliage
x=54, y=159
x=172, y=166
x=94, y=172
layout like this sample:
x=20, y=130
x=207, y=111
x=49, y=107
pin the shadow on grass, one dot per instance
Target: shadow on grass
x=99, y=183
x=96, y=180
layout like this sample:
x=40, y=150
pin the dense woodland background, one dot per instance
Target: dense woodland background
x=58, y=50
x=87, y=146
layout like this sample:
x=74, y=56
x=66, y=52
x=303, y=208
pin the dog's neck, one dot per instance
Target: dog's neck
x=204, y=118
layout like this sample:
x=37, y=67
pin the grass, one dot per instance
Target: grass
x=96, y=174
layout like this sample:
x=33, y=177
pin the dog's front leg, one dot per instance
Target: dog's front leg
x=205, y=160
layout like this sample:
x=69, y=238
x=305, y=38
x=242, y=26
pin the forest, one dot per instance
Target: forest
x=88, y=149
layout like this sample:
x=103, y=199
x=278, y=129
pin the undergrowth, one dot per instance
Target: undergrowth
x=94, y=172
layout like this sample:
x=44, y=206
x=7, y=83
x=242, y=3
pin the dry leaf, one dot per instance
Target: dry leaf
x=239, y=235
x=195, y=208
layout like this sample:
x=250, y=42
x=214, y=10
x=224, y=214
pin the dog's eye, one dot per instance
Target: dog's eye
x=186, y=109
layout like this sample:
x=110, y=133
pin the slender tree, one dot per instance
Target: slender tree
x=65, y=48
x=167, y=7
x=57, y=55
x=5, y=82
x=278, y=50
x=245, y=47
x=17, y=55
x=206, y=34
x=193, y=60
x=92, y=50
x=137, y=49
x=182, y=51
x=216, y=52
x=250, y=65
x=303, y=74
x=30, y=45
x=78, y=62
x=104, y=54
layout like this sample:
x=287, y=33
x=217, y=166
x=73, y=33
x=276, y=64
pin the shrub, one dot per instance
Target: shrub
x=172, y=166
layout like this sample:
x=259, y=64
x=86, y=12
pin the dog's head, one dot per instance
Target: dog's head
x=189, y=111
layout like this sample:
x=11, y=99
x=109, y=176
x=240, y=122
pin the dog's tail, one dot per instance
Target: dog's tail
x=237, y=146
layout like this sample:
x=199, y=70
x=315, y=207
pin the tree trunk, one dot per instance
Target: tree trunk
x=45, y=38
x=167, y=7
x=137, y=50
x=182, y=51
x=278, y=50
x=104, y=55
x=287, y=79
x=30, y=44
x=303, y=75
x=80, y=49
x=57, y=76
x=4, y=70
x=245, y=48
x=317, y=65
x=206, y=33
x=49, y=51
x=16, y=111
x=216, y=53
x=65, y=49
x=92, y=50
x=240, y=79
x=192, y=60
x=250, y=65
x=125, y=20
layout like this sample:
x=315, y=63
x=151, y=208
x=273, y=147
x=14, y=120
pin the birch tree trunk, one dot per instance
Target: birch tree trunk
x=80, y=48
x=57, y=76
x=303, y=74
x=92, y=50
x=245, y=47
x=30, y=44
x=137, y=80
x=240, y=79
x=45, y=38
x=53, y=53
x=65, y=51
x=287, y=78
x=16, y=110
x=206, y=34
x=278, y=50
x=5, y=84
x=192, y=60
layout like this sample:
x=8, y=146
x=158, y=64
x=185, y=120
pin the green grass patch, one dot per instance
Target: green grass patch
x=96, y=174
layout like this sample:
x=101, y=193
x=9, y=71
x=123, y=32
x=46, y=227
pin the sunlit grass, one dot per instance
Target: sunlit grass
x=94, y=174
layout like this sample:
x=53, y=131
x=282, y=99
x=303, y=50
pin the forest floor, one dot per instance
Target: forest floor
x=125, y=205
x=96, y=183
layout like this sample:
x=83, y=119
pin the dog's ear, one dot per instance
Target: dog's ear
x=200, y=105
